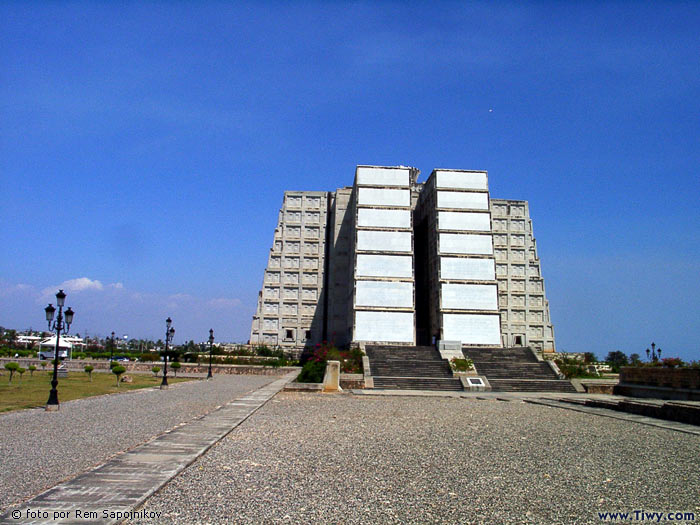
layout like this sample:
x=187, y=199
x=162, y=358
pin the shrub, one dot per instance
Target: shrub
x=112, y=364
x=31, y=370
x=21, y=371
x=175, y=366
x=312, y=372
x=193, y=357
x=672, y=362
x=149, y=357
x=239, y=350
x=20, y=352
x=12, y=367
x=350, y=360
x=573, y=368
x=264, y=351
x=155, y=370
x=461, y=365
x=89, y=369
x=43, y=364
x=118, y=370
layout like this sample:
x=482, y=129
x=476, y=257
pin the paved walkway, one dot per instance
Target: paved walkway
x=614, y=414
x=110, y=492
x=360, y=459
x=40, y=449
x=554, y=400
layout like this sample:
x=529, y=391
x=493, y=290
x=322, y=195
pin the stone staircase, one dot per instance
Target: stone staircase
x=516, y=370
x=410, y=368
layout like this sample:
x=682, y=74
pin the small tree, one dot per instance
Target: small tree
x=155, y=370
x=118, y=371
x=89, y=369
x=12, y=367
x=43, y=365
x=175, y=366
x=635, y=359
x=616, y=359
x=31, y=370
x=589, y=357
x=21, y=371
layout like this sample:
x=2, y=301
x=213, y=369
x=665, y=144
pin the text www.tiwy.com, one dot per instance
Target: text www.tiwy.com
x=642, y=515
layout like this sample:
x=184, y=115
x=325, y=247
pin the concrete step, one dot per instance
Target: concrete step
x=501, y=354
x=417, y=383
x=428, y=374
x=516, y=371
x=531, y=385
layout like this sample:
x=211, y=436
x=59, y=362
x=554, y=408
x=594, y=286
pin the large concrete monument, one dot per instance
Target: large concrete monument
x=395, y=262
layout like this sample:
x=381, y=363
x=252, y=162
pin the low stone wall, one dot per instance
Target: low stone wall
x=598, y=386
x=136, y=366
x=660, y=383
x=352, y=381
x=659, y=376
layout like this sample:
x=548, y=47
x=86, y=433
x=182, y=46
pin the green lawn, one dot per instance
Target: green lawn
x=34, y=391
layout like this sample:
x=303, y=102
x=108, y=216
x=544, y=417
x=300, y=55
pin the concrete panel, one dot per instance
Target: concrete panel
x=462, y=200
x=382, y=197
x=465, y=243
x=469, y=296
x=384, y=293
x=384, y=265
x=384, y=241
x=382, y=177
x=384, y=327
x=464, y=268
x=474, y=329
x=462, y=180
x=383, y=218
x=464, y=220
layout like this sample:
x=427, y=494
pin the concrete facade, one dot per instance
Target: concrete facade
x=458, y=274
x=383, y=294
x=290, y=311
x=522, y=300
x=393, y=261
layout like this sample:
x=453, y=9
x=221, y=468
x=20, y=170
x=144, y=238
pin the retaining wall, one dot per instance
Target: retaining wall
x=136, y=366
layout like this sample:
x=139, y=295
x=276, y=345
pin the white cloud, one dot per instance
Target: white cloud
x=75, y=285
x=7, y=289
x=102, y=307
x=222, y=302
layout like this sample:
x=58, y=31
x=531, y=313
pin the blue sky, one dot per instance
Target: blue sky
x=144, y=149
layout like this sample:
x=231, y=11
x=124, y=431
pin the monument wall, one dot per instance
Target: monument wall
x=393, y=261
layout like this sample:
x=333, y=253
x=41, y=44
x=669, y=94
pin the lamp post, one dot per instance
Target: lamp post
x=111, y=351
x=58, y=325
x=169, y=333
x=211, y=343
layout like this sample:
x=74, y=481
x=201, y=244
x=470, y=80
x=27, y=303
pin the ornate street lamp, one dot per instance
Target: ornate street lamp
x=58, y=325
x=169, y=334
x=211, y=343
x=111, y=350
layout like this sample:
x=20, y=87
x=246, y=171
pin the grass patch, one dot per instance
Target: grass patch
x=33, y=391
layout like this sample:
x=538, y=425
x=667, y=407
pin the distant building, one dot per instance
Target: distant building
x=393, y=261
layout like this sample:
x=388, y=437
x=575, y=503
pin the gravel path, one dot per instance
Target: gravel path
x=39, y=449
x=311, y=458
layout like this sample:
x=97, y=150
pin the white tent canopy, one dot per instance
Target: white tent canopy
x=51, y=343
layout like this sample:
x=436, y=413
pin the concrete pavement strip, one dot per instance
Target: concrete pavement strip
x=110, y=492
x=625, y=416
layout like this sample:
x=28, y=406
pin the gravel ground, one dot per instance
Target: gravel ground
x=39, y=449
x=311, y=458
